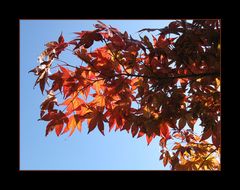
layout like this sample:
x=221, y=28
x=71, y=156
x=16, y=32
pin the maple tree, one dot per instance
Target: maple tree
x=153, y=87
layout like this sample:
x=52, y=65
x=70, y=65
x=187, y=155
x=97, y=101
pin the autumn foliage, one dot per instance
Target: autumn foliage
x=155, y=86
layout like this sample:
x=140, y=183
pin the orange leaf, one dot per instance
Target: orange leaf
x=73, y=122
x=165, y=160
x=149, y=139
x=99, y=100
x=58, y=129
x=164, y=130
x=177, y=135
x=183, y=80
x=86, y=91
x=78, y=122
x=97, y=86
x=72, y=103
x=66, y=72
x=177, y=146
x=140, y=134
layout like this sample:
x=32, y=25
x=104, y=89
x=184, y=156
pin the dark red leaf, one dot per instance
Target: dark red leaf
x=164, y=130
x=92, y=124
x=101, y=126
x=111, y=122
x=182, y=123
x=206, y=134
x=50, y=127
x=134, y=130
x=61, y=39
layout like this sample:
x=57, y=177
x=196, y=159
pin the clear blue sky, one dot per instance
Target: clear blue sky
x=81, y=151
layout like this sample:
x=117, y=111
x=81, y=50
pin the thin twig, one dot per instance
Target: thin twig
x=173, y=77
x=149, y=69
x=115, y=57
x=202, y=144
x=66, y=64
x=206, y=158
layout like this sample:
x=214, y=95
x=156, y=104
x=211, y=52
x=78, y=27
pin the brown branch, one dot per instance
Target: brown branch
x=66, y=64
x=149, y=68
x=173, y=77
x=187, y=66
x=202, y=144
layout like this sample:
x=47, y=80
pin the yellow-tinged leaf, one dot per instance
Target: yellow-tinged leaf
x=97, y=86
x=182, y=159
x=79, y=126
x=177, y=135
x=129, y=70
x=72, y=103
x=177, y=146
x=99, y=100
x=146, y=112
x=74, y=121
x=86, y=92
x=218, y=82
x=134, y=83
x=71, y=125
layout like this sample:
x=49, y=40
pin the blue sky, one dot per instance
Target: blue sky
x=81, y=151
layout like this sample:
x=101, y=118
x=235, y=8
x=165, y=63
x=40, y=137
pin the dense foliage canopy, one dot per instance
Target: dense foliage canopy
x=155, y=86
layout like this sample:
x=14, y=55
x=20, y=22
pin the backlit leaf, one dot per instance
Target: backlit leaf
x=149, y=139
x=164, y=130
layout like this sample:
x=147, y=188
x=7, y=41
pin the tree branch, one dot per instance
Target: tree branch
x=206, y=158
x=66, y=64
x=173, y=77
